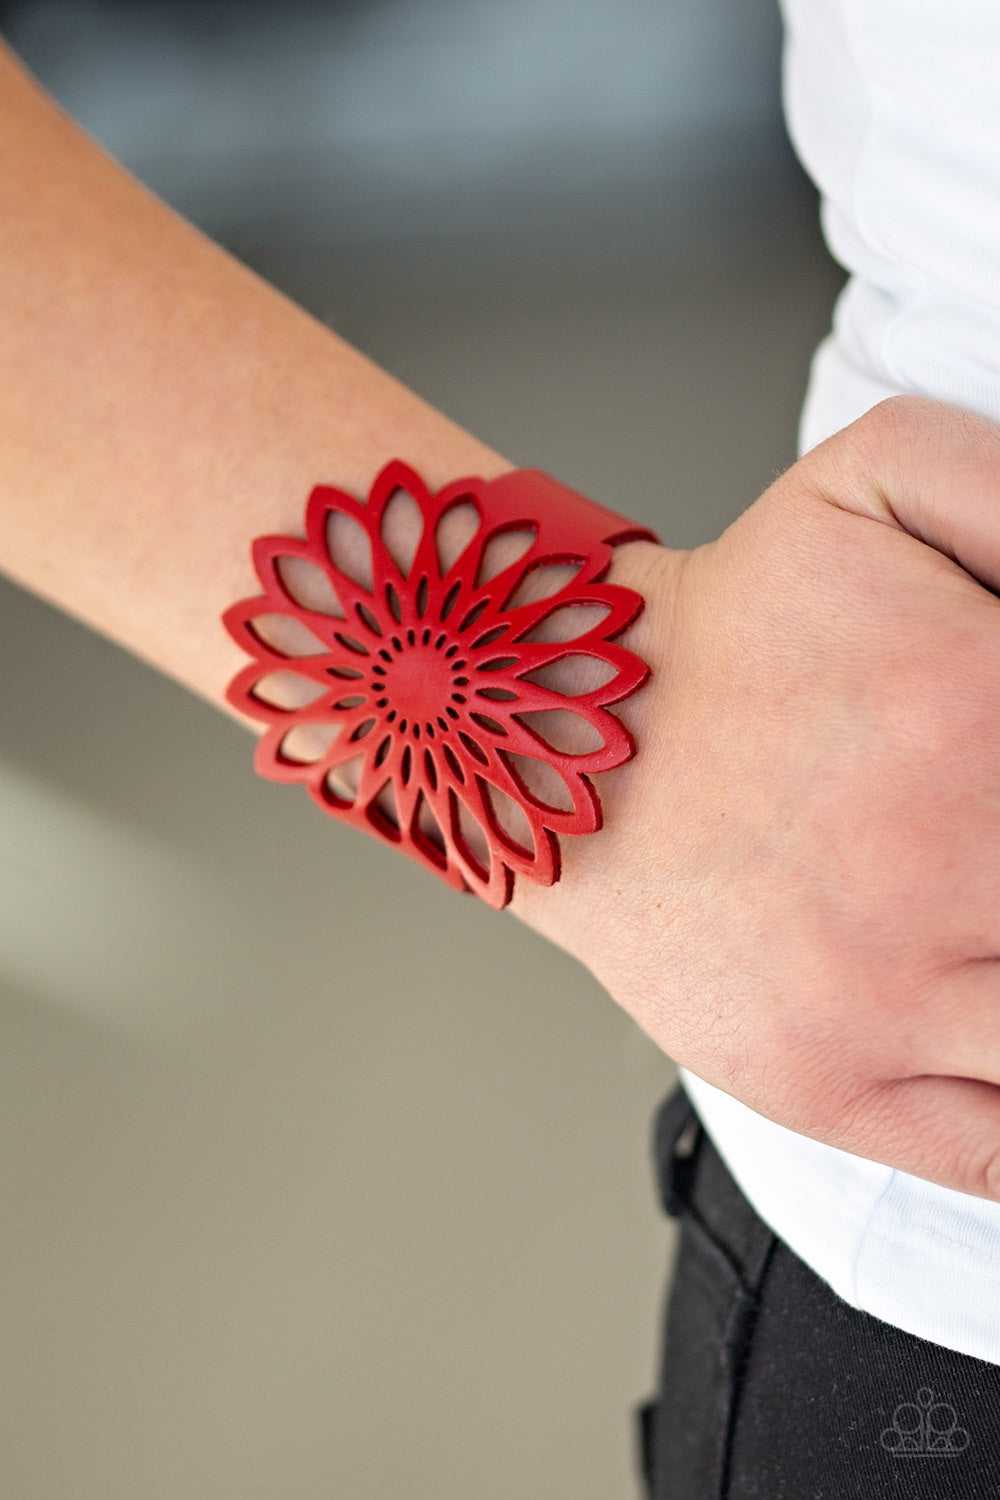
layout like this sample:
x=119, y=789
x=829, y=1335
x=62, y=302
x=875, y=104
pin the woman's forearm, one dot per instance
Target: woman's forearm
x=160, y=404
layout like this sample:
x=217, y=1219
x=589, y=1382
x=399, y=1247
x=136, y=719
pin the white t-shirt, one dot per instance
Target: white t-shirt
x=894, y=107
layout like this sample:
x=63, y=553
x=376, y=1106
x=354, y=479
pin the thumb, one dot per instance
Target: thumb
x=926, y=468
x=946, y=1130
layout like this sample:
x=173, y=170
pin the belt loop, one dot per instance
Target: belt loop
x=677, y=1135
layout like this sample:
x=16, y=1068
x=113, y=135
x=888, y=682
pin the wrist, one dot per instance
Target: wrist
x=599, y=894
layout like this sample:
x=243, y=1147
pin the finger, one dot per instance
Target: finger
x=948, y=1027
x=928, y=468
x=946, y=1130
x=961, y=1039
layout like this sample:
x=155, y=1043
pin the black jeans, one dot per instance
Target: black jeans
x=772, y=1388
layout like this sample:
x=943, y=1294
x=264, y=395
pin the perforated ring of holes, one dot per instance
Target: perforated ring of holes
x=436, y=668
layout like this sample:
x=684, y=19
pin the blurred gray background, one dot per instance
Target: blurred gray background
x=317, y=1179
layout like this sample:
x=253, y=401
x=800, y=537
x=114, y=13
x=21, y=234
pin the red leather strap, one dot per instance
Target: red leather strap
x=423, y=683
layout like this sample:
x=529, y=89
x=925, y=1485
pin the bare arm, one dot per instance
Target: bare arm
x=160, y=404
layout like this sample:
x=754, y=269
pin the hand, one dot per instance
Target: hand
x=797, y=889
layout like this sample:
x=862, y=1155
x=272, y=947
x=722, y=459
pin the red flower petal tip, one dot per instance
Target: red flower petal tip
x=437, y=668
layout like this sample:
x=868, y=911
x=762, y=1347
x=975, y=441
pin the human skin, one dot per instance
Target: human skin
x=795, y=891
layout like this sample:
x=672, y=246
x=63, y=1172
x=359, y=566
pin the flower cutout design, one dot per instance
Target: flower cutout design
x=437, y=668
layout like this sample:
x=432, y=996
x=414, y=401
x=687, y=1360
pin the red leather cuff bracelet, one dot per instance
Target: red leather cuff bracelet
x=407, y=674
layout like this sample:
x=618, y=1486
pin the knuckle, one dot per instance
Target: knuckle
x=883, y=429
x=897, y=417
